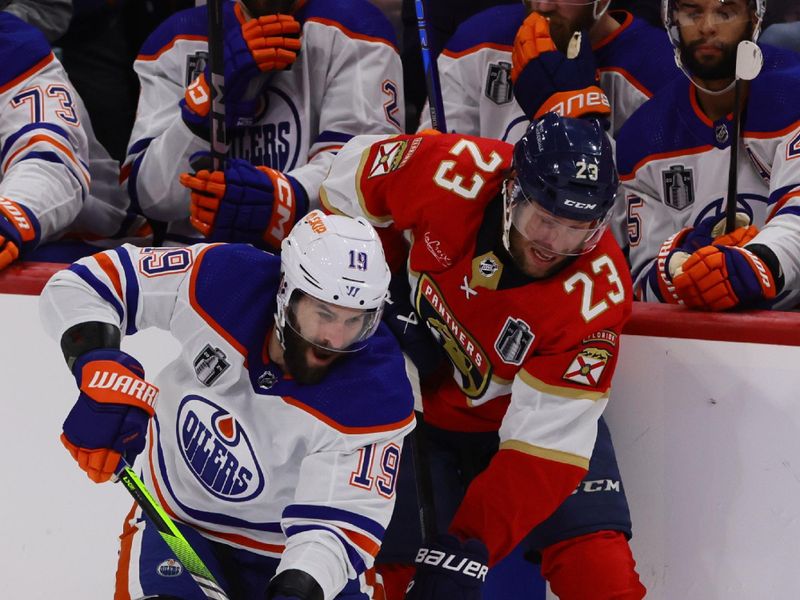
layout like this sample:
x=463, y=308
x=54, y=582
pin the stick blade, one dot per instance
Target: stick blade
x=749, y=60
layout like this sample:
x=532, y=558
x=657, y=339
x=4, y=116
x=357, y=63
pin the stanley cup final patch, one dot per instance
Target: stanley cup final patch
x=210, y=364
x=195, y=64
x=514, y=341
x=498, y=82
x=588, y=366
x=678, y=187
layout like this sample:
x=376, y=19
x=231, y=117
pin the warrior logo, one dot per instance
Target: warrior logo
x=498, y=82
x=467, y=356
x=587, y=367
x=210, y=364
x=678, y=187
x=514, y=341
x=195, y=64
x=169, y=568
x=217, y=450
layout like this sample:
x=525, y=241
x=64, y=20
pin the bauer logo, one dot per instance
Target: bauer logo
x=169, y=568
x=217, y=450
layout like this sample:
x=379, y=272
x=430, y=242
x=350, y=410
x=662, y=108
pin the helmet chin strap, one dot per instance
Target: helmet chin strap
x=506, y=216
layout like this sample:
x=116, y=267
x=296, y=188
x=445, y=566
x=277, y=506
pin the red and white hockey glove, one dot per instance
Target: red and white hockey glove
x=547, y=80
x=724, y=277
x=261, y=45
x=246, y=204
x=19, y=231
x=110, y=418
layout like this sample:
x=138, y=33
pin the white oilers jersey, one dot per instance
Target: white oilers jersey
x=475, y=72
x=673, y=163
x=347, y=80
x=50, y=161
x=237, y=448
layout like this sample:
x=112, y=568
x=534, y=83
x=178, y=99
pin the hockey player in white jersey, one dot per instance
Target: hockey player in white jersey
x=297, y=87
x=633, y=59
x=54, y=174
x=673, y=156
x=274, y=438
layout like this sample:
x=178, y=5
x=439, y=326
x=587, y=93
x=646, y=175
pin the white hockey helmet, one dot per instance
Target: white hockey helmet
x=339, y=261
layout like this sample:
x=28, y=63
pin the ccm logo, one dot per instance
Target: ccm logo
x=437, y=558
x=579, y=204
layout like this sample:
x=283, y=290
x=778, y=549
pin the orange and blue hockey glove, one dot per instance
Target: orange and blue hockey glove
x=547, y=80
x=251, y=48
x=725, y=277
x=19, y=231
x=109, y=420
x=246, y=204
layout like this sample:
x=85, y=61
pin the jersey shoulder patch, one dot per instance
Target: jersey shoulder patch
x=22, y=46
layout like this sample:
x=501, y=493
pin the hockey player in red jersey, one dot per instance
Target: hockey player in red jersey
x=514, y=273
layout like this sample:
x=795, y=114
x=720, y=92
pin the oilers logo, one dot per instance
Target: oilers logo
x=217, y=450
x=169, y=568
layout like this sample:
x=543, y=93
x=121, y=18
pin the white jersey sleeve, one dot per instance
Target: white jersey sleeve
x=43, y=159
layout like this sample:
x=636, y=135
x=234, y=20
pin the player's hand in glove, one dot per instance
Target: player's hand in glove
x=449, y=569
x=547, y=80
x=268, y=43
x=723, y=277
x=411, y=332
x=18, y=231
x=678, y=247
x=110, y=418
x=243, y=203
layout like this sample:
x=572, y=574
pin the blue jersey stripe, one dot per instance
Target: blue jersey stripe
x=98, y=286
x=325, y=513
x=352, y=553
x=131, y=289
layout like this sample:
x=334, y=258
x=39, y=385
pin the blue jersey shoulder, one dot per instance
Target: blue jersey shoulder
x=642, y=50
x=189, y=22
x=235, y=285
x=364, y=391
x=359, y=16
x=772, y=104
x=21, y=47
x=496, y=25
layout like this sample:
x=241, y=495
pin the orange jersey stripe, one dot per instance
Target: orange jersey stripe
x=662, y=155
x=478, y=48
x=171, y=44
x=110, y=270
x=339, y=427
x=123, y=564
x=53, y=142
x=352, y=34
x=23, y=76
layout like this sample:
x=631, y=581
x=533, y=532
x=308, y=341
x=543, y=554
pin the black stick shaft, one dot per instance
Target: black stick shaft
x=219, y=140
x=730, y=205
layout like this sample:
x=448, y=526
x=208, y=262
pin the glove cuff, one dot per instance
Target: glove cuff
x=290, y=204
x=577, y=103
x=18, y=224
x=196, y=106
x=112, y=376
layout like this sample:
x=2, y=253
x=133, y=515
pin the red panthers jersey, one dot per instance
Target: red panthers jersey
x=531, y=358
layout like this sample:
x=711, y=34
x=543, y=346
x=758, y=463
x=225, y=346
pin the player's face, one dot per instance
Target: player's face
x=566, y=17
x=710, y=32
x=318, y=333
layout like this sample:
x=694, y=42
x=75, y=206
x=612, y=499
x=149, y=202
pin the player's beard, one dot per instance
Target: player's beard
x=295, y=355
x=722, y=68
x=561, y=30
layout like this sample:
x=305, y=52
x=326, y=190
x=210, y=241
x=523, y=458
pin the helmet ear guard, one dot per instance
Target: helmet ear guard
x=337, y=260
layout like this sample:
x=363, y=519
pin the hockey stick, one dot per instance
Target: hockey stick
x=171, y=534
x=219, y=139
x=749, y=61
x=435, y=101
x=423, y=484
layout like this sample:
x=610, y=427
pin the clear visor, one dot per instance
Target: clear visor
x=549, y=233
x=329, y=326
x=701, y=13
